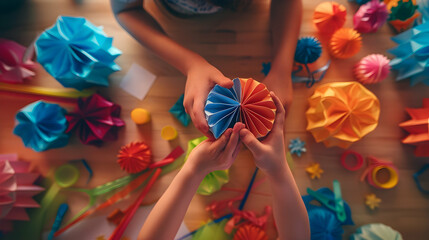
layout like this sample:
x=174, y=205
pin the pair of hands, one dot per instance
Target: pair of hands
x=219, y=154
x=202, y=77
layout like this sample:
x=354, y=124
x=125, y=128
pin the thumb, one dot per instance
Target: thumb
x=250, y=141
x=223, y=81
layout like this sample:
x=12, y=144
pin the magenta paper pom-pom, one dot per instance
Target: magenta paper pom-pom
x=371, y=69
x=370, y=17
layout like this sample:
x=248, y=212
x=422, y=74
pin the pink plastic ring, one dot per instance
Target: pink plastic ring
x=357, y=156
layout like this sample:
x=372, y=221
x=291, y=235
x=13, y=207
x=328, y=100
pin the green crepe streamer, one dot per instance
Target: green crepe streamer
x=214, y=180
x=213, y=231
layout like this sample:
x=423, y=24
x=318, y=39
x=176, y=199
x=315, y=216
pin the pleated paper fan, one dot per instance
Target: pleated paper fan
x=376, y=231
x=370, y=17
x=371, y=69
x=247, y=101
x=250, y=232
x=329, y=17
x=345, y=43
x=135, y=157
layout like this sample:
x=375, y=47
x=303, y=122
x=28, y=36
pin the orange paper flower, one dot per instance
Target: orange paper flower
x=401, y=25
x=341, y=113
x=250, y=232
x=345, y=43
x=135, y=157
x=329, y=17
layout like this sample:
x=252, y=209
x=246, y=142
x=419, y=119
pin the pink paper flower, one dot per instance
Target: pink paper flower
x=16, y=190
x=371, y=69
x=14, y=66
x=370, y=17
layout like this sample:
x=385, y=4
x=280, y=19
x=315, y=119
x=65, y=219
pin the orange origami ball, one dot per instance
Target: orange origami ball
x=250, y=232
x=341, y=113
x=329, y=17
x=345, y=43
x=135, y=157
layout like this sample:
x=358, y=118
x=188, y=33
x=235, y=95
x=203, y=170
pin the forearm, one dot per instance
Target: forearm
x=146, y=30
x=288, y=208
x=165, y=218
x=285, y=20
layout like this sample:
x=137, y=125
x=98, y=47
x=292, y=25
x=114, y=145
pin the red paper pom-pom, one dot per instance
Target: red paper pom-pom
x=250, y=232
x=135, y=157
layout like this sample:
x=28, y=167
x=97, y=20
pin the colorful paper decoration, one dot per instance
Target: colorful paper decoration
x=357, y=156
x=324, y=225
x=266, y=67
x=178, y=110
x=247, y=101
x=96, y=120
x=308, y=50
x=360, y=2
x=402, y=13
x=250, y=232
x=140, y=116
x=42, y=126
x=15, y=66
x=376, y=231
x=372, y=201
x=418, y=129
x=341, y=113
x=77, y=53
x=135, y=157
x=245, y=216
x=329, y=17
x=214, y=180
x=372, y=69
x=424, y=10
x=296, y=146
x=345, y=43
x=62, y=210
x=16, y=190
x=411, y=58
x=314, y=170
x=375, y=166
x=212, y=230
x=416, y=177
x=370, y=17
x=168, y=133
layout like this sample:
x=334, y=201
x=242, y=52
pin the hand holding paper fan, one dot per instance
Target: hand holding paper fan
x=248, y=101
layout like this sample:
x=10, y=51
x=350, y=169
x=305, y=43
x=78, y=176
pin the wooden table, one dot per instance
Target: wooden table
x=236, y=43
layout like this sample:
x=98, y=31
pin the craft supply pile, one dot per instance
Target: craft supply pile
x=80, y=56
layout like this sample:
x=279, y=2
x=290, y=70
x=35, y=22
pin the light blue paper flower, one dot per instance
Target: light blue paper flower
x=308, y=50
x=412, y=55
x=178, y=110
x=296, y=146
x=222, y=108
x=41, y=126
x=77, y=53
x=376, y=231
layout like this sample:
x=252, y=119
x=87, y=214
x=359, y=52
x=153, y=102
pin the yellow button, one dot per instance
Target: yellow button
x=140, y=116
x=168, y=133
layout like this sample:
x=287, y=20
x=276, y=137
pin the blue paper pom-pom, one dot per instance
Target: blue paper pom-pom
x=324, y=225
x=308, y=50
x=77, y=53
x=360, y=2
x=41, y=126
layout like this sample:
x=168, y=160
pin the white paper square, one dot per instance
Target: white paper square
x=137, y=81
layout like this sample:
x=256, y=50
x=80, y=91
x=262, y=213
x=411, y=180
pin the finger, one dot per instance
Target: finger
x=233, y=140
x=199, y=118
x=219, y=144
x=223, y=81
x=280, y=114
x=236, y=150
x=250, y=141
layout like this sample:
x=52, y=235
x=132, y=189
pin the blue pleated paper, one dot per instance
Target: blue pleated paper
x=178, y=110
x=77, y=53
x=41, y=126
x=222, y=108
x=412, y=55
x=308, y=50
x=324, y=225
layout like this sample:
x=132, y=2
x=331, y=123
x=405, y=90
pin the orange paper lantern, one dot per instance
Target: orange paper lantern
x=329, y=17
x=345, y=43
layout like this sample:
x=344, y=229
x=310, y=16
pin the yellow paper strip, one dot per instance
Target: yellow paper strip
x=51, y=92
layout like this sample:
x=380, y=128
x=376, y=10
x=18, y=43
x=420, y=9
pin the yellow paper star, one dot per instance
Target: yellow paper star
x=314, y=170
x=372, y=201
x=101, y=237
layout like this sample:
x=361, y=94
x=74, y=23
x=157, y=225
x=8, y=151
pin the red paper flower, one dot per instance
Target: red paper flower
x=96, y=120
x=135, y=157
x=250, y=232
x=14, y=66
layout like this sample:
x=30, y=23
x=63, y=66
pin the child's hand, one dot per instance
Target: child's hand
x=282, y=86
x=202, y=77
x=270, y=153
x=212, y=155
